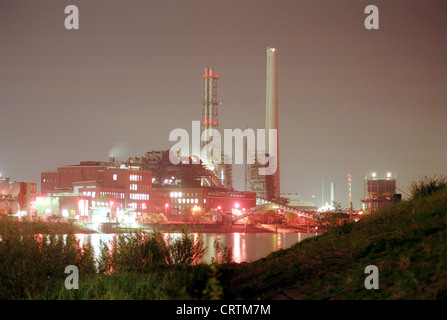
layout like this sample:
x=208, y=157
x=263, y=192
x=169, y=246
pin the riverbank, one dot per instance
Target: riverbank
x=220, y=228
x=66, y=227
x=37, y=226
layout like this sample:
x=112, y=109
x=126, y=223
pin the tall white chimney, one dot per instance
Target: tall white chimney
x=332, y=193
x=271, y=117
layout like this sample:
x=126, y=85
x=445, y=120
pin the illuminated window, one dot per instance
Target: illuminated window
x=115, y=177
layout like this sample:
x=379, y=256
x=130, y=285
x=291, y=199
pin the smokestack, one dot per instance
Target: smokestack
x=209, y=111
x=271, y=117
x=332, y=193
x=322, y=192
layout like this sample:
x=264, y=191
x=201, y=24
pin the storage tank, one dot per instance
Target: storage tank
x=380, y=190
x=15, y=189
x=15, y=207
x=5, y=188
x=5, y=205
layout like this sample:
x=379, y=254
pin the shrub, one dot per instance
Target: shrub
x=186, y=250
x=427, y=186
x=223, y=254
x=29, y=261
x=135, y=252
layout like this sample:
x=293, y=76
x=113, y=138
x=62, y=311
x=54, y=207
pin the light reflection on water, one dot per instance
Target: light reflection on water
x=246, y=246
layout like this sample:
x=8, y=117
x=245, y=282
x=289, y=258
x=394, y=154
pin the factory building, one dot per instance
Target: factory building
x=135, y=189
x=96, y=191
x=380, y=191
x=181, y=204
x=178, y=191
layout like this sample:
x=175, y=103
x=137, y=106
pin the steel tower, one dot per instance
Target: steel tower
x=209, y=112
x=210, y=120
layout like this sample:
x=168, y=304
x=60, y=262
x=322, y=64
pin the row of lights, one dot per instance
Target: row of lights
x=176, y=194
x=388, y=174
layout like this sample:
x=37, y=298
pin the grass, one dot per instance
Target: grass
x=159, y=282
x=407, y=242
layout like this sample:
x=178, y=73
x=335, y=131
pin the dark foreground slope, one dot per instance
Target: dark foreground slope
x=407, y=242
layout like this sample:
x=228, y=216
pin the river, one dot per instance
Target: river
x=246, y=246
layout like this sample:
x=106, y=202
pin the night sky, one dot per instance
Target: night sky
x=351, y=100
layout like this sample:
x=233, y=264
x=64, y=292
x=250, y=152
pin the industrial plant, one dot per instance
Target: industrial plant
x=142, y=186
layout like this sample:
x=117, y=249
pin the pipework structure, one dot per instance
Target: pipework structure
x=209, y=111
x=210, y=121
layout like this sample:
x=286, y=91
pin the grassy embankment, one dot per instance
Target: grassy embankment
x=407, y=242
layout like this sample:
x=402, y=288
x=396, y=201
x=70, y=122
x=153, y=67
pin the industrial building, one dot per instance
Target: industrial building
x=182, y=204
x=17, y=197
x=380, y=191
x=179, y=190
x=135, y=189
x=96, y=191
